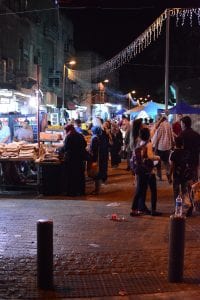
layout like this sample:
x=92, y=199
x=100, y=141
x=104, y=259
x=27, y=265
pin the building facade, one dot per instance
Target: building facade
x=36, y=40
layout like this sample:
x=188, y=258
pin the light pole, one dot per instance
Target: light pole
x=38, y=105
x=167, y=61
x=71, y=63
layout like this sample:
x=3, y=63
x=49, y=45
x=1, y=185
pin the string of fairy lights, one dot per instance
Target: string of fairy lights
x=151, y=34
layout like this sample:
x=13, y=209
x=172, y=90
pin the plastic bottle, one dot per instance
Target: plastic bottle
x=179, y=206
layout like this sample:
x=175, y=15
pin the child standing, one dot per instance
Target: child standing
x=143, y=164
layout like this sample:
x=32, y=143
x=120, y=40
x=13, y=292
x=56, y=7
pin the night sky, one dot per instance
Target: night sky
x=108, y=28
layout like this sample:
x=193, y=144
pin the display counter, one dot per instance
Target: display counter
x=43, y=177
x=18, y=173
x=50, y=177
x=29, y=166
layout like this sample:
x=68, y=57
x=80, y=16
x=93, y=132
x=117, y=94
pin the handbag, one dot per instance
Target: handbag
x=92, y=169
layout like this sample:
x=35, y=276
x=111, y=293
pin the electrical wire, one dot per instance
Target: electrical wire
x=161, y=66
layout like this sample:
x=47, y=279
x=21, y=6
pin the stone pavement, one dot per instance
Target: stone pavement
x=95, y=257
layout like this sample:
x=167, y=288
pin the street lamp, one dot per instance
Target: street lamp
x=71, y=63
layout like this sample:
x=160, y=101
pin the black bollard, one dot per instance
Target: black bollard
x=176, y=248
x=45, y=254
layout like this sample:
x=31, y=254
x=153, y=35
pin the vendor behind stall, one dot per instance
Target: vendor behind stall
x=25, y=133
x=4, y=133
x=8, y=170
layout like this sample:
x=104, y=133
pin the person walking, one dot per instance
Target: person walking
x=135, y=128
x=94, y=149
x=191, y=142
x=105, y=141
x=77, y=126
x=180, y=162
x=176, y=126
x=125, y=129
x=115, y=147
x=163, y=142
x=74, y=150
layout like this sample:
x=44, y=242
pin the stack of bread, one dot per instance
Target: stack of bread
x=10, y=150
x=28, y=151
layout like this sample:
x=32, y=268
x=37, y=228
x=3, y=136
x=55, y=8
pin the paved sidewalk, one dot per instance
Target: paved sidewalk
x=95, y=257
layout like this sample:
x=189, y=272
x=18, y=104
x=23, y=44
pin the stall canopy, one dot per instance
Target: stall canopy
x=184, y=108
x=121, y=111
x=150, y=110
x=135, y=109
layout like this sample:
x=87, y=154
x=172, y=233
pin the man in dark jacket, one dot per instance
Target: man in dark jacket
x=191, y=142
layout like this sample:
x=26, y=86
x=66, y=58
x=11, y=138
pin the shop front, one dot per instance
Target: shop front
x=24, y=165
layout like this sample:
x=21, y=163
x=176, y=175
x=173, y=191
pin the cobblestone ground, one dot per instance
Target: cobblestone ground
x=93, y=255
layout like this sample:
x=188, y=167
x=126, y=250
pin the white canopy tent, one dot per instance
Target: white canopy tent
x=149, y=110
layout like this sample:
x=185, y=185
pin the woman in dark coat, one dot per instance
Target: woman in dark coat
x=74, y=162
x=105, y=140
x=94, y=152
x=116, y=145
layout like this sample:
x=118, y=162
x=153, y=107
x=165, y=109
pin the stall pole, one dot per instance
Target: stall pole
x=38, y=106
x=63, y=92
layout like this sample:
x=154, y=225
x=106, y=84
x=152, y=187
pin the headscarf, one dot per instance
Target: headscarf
x=96, y=130
x=70, y=129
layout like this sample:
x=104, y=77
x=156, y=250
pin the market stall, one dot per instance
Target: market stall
x=26, y=166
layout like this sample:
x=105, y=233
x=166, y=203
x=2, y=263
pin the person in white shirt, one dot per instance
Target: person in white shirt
x=4, y=133
x=163, y=142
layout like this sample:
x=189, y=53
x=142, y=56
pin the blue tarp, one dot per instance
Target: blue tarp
x=121, y=111
x=151, y=108
x=184, y=108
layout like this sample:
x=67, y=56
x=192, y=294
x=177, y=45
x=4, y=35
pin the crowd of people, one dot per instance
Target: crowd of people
x=152, y=150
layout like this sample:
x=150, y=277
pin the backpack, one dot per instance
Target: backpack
x=139, y=162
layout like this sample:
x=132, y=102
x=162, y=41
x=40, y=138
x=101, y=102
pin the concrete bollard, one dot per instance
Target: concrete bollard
x=45, y=254
x=176, y=248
